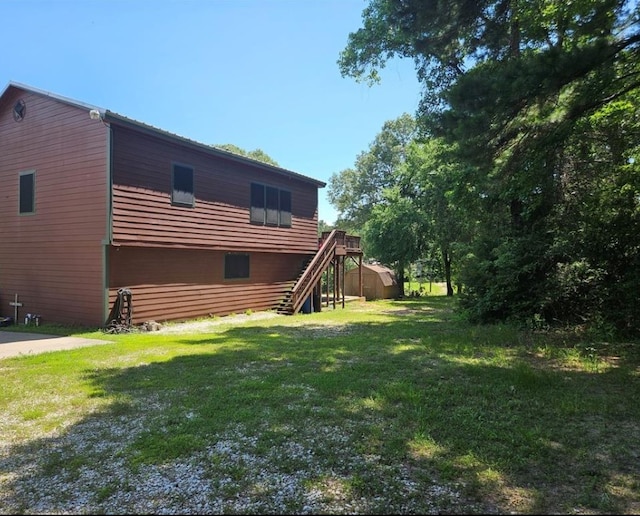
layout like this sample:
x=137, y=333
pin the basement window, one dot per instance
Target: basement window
x=27, y=192
x=182, y=186
x=236, y=266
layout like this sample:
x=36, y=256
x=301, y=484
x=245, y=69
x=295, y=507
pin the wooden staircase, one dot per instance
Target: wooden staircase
x=285, y=305
x=310, y=276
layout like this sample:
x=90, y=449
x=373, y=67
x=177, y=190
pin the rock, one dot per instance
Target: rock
x=150, y=326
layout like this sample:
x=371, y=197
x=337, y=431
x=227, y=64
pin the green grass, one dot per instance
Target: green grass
x=425, y=288
x=386, y=406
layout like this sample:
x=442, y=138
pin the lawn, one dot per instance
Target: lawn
x=381, y=407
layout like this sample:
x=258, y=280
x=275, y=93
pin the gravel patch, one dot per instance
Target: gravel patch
x=86, y=471
x=204, y=326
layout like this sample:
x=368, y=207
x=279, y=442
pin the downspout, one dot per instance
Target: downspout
x=108, y=240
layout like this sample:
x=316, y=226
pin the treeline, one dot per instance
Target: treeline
x=521, y=170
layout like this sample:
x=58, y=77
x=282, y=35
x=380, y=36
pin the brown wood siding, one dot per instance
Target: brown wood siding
x=143, y=214
x=178, y=284
x=53, y=259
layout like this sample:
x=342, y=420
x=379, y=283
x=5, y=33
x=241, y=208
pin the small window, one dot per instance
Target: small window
x=236, y=266
x=257, y=203
x=182, y=186
x=285, y=208
x=27, y=192
x=19, y=110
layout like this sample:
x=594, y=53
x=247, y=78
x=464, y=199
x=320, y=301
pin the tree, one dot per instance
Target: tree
x=505, y=77
x=257, y=154
x=525, y=91
x=355, y=191
x=598, y=252
x=436, y=183
x=393, y=233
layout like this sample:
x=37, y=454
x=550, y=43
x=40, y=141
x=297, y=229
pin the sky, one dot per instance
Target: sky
x=259, y=74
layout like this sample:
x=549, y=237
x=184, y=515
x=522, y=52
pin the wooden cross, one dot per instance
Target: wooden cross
x=15, y=305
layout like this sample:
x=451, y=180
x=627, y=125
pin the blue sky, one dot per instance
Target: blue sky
x=254, y=73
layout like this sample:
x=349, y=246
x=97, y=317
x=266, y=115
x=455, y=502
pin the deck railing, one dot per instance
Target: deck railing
x=350, y=242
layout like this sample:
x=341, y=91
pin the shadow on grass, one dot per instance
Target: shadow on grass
x=414, y=396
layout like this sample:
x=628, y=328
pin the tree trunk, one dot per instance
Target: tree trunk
x=401, y=278
x=446, y=258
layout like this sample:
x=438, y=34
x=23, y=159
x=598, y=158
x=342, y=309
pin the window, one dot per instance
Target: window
x=270, y=206
x=236, y=266
x=27, y=192
x=257, y=203
x=19, y=110
x=182, y=185
x=285, y=208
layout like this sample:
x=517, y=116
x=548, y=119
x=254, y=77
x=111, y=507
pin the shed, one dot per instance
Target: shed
x=378, y=282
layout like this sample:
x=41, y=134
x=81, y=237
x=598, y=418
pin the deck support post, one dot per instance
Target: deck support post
x=335, y=282
x=342, y=279
x=327, y=298
x=360, y=287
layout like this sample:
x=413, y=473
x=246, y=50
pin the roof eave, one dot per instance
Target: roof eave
x=59, y=98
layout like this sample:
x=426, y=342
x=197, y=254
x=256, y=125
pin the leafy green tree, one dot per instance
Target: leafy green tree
x=515, y=86
x=355, y=191
x=394, y=232
x=257, y=154
x=597, y=272
x=436, y=183
x=508, y=78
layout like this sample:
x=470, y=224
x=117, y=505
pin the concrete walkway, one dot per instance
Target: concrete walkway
x=13, y=344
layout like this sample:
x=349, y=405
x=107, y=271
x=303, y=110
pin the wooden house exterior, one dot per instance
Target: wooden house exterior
x=92, y=202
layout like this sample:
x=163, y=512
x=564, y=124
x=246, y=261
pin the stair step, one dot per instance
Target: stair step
x=286, y=304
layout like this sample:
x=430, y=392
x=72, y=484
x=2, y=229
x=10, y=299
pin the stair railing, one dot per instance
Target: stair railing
x=311, y=275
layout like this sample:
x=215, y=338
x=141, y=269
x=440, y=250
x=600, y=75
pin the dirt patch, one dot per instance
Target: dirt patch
x=203, y=326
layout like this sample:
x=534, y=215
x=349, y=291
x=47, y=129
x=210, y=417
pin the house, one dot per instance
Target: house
x=378, y=282
x=92, y=202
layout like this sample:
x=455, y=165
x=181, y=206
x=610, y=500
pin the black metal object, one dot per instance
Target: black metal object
x=120, y=316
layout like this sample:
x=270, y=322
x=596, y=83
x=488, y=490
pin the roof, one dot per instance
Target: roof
x=113, y=117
